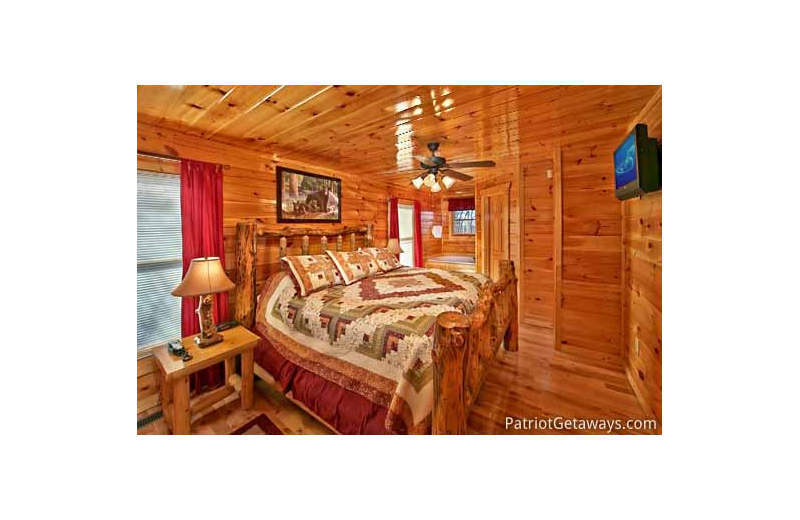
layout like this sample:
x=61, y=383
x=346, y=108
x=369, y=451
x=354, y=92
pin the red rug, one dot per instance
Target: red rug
x=258, y=425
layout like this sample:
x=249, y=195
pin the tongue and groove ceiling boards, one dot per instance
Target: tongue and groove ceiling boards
x=377, y=129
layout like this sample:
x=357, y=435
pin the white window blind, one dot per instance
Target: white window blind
x=159, y=262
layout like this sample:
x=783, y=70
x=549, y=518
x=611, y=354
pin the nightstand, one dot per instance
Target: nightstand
x=174, y=376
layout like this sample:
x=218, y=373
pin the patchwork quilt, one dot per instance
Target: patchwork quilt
x=373, y=337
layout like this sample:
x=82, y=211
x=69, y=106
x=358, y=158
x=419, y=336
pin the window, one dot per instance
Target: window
x=463, y=222
x=405, y=217
x=159, y=262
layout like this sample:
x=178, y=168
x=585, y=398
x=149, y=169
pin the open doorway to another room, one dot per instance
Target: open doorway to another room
x=405, y=217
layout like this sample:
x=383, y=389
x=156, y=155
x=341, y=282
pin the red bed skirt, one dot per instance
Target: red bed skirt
x=345, y=410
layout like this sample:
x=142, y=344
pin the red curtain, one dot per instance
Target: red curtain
x=394, y=223
x=201, y=227
x=461, y=204
x=417, y=234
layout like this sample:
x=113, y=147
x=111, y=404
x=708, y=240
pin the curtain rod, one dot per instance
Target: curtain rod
x=168, y=157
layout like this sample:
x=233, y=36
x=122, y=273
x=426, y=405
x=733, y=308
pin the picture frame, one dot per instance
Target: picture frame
x=305, y=197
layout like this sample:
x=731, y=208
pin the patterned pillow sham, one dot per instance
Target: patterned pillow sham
x=354, y=265
x=387, y=261
x=312, y=272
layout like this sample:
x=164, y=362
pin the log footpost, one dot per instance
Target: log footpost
x=244, y=298
x=511, y=337
x=450, y=346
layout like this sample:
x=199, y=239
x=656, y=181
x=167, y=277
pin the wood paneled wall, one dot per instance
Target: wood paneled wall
x=641, y=292
x=537, y=275
x=249, y=192
x=147, y=394
x=430, y=213
x=591, y=251
x=583, y=309
x=454, y=244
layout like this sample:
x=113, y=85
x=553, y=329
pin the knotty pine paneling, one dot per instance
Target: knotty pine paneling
x=454, y=244
x=431, y=215
x=147, y=389
x=536, y=271
x=591, y=251
x=641, y=275
x=249, y=185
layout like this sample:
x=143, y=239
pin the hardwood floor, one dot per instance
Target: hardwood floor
x=537, y=382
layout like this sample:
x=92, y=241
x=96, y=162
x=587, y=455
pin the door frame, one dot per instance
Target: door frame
x=498, y=189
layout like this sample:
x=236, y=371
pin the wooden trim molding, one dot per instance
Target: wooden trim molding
x=558, y=242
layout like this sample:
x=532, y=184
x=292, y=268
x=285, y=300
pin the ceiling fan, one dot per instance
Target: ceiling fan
x=437, y=169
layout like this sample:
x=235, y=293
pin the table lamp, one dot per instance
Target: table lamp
x=394, y=246
x=205, y=278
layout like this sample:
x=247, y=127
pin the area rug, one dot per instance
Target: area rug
x=258, y=425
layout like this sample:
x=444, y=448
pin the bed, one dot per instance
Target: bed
x=399, y=352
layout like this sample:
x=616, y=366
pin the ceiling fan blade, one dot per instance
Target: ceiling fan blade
x=456, y=175
x=424, y=160
x=473, y=164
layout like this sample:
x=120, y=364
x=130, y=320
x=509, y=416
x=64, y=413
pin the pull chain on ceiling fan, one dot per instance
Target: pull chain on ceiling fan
x=437, y=169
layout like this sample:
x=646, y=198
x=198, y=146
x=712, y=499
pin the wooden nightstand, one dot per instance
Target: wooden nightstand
x=174, y=376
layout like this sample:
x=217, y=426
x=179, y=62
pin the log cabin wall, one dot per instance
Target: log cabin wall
x=641, y=275
x=570, y=239
x=430, y=216
x=249, y=192
x=454, y=244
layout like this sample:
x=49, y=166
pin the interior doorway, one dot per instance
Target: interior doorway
x=405, y=220
x=495, y=206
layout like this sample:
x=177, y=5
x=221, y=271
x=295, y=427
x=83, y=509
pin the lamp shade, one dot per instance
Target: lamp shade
x=437, y=231
x=417, y=182
x=436, y=188
x=394, y=246
x=448, y=181
x=205, y=276
x=429, y=180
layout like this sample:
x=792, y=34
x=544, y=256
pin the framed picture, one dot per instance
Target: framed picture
x=308, y=197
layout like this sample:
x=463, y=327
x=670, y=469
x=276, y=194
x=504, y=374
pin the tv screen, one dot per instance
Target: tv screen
x=625, y=161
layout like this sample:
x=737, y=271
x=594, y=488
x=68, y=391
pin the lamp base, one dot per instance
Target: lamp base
x=207, y=342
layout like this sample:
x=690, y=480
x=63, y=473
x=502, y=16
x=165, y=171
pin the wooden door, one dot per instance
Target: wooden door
x=495, y=214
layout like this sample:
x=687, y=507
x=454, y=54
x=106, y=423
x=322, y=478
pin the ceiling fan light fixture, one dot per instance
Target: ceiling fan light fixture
x=429, y=180
x=448, y=182
x=417, y=182
x=436, y=188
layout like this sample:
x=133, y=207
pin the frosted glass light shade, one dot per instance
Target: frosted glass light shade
x=437, y=231
x=436, y=188
x=417, y=182
x=429, y=180
x=448, y=182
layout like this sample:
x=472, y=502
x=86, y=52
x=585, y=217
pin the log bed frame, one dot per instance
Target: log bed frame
x=464, y=345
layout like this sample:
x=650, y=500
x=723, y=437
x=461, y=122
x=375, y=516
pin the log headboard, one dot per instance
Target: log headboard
x=247, y=232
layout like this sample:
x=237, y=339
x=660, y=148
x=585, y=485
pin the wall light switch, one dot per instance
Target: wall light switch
x=636, y=345
x=549, y=173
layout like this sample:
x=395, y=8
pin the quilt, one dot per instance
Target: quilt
x=373, y=337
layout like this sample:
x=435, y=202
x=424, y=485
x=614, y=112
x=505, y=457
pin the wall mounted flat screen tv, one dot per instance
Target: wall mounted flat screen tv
x=636, y=165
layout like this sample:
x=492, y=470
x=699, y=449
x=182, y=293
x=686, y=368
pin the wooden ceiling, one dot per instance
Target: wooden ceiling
x=369, y=129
